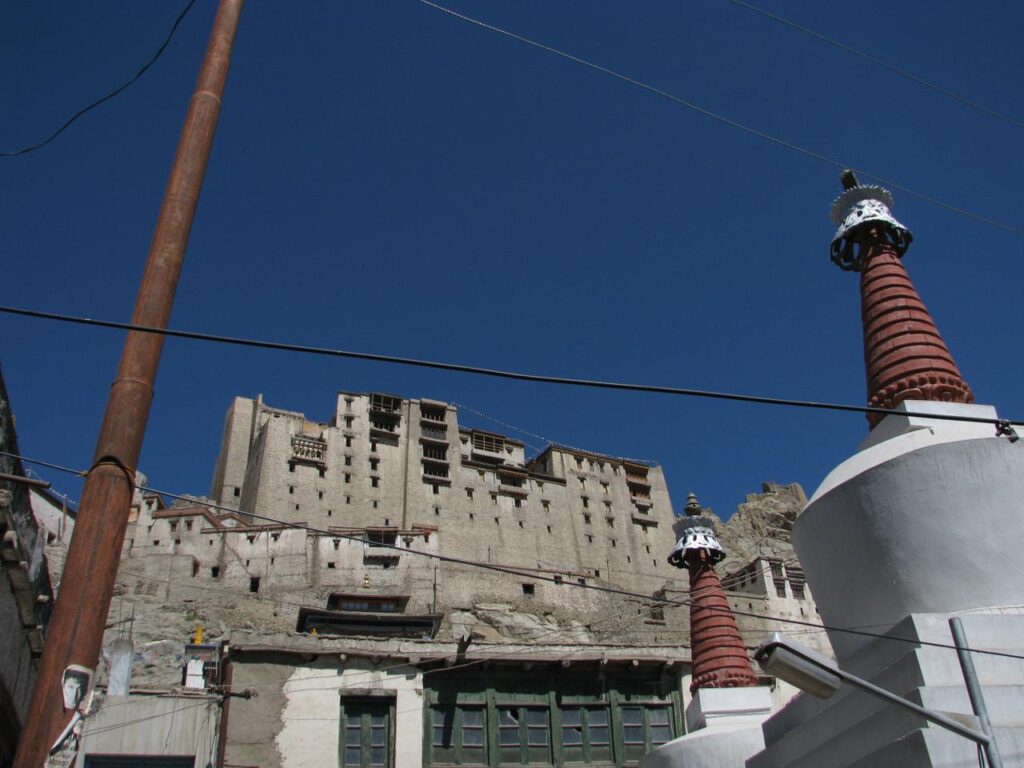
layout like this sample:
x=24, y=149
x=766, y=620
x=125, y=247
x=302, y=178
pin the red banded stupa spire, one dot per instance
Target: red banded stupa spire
x=904, y=355
x=719, y=655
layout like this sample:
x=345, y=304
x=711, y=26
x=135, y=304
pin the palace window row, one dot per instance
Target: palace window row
x=563, y=735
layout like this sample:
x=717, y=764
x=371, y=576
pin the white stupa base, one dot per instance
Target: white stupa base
x=725, y=725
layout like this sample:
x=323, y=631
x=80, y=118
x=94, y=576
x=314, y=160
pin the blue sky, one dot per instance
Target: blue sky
x=387, y=178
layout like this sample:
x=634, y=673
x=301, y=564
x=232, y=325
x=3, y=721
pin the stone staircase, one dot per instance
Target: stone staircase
x=856, y=730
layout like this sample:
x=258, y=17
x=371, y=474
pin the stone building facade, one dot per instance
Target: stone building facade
x=419, y=591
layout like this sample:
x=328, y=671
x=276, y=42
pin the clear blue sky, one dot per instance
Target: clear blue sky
x=387, y=178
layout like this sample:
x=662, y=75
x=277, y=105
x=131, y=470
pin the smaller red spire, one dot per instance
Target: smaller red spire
x=719, y=655
x=904, y=355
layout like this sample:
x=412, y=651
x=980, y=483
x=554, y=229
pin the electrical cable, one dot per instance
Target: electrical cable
x=526, y=572
x=721, y=118
x=494, y=372
x=112, y=94
x=879, y=62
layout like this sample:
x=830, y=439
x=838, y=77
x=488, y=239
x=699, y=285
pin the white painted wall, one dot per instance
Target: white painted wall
x=311, y=728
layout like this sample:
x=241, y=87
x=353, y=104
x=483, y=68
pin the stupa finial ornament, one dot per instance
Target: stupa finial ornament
x=860, y=211
x=904, y=355
x=697, y=540
x=716, y=646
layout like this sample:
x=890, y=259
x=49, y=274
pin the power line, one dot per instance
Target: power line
x=879, y=62
x=523, y=572
x=498, y=373
x=112, y=94
x=721, y=118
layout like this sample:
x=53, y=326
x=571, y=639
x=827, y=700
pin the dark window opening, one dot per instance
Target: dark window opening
x=254, y=584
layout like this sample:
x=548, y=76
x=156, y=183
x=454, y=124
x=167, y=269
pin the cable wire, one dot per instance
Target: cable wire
x=527, y=573
x=112, y=94
x=879, y=62
x=495, y=372
x=721, y=118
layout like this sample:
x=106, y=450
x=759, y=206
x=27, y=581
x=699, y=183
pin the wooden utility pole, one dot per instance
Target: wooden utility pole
x=75, y=633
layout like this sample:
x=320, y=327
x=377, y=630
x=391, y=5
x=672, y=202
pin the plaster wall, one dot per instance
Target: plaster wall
x=311, y=727
x=935, y=529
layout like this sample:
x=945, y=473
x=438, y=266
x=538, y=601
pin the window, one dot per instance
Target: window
x=523, y=736
x=586, y=502
x=528, y=590
x=546, y=504
x=348, y=478
x=291, y=489
x=238, y=491
x=366, y=733
x=489, y=443
x=381, y=538
x=437, y=489
x=780, y=587
x=458, y=735
x=348, y=461
x=174, y=525
x=214, y=571
x=188, y=526
x=319, y=494
x=469, y=493
x=798, y=589
x=518, y=503
x=436, y=452
x=275, y=536
x=348, y=422
x=587, y=519
x=348, y=442
x=373, y=464
x=375, y=482
x=586, y=735
x=254, y=584
x=643, y=729
x=610, y=521
x=365, y=604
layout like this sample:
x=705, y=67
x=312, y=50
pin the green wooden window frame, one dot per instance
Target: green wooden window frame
x=644, y=727
x=577, y=720
x=458, y=735
x=586, y=734
x=524, y=735
x=366, y=733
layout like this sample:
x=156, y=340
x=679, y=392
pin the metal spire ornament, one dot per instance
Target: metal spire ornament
x=905, y=356
x=719, y=655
